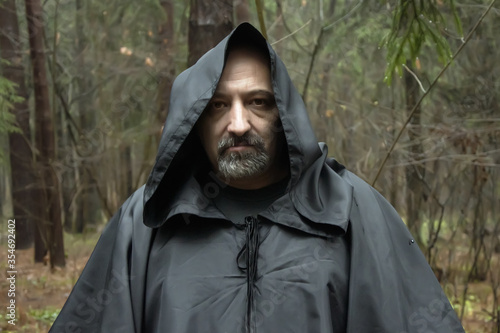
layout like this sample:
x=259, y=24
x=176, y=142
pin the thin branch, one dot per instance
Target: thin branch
x=292, y=33
x=353, y=9
x=260, y=13
x=469, y=36
x=311, y=64
x=317, y=47
x=280, y=9
x=415, y=76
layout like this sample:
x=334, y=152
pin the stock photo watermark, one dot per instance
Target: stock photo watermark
x=11, y=272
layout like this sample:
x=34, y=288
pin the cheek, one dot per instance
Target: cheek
x=271, y=127
x=203, y=134
x=270, y=135
x=210, y=142
x=209, y=138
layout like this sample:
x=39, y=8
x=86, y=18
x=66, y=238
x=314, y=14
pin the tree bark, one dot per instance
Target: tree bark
x=242, y=11
x=323, y=102
x=209, y=23
x=21, y=155
x=414, y=172
x=166, y=62
x=88, y=206
x=49, y=200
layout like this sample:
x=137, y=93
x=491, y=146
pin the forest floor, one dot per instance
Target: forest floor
x=40, y=292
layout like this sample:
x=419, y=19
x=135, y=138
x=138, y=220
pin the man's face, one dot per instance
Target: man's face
x=238, y=129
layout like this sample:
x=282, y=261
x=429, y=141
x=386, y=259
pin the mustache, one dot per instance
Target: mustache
x=247, y=139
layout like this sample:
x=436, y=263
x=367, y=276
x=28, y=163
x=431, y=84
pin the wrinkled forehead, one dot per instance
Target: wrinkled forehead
x=247, y=54
x=242, y=62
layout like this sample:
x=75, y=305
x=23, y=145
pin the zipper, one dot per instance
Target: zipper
x=248, y=263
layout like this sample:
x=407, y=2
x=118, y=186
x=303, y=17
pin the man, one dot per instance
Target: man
x=245, y=225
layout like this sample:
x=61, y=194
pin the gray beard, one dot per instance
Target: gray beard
x=236, y=165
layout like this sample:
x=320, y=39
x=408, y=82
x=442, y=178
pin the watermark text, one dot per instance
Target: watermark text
x=11, y=272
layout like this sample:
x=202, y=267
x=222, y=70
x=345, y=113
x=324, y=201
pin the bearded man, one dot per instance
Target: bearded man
x=245, y=224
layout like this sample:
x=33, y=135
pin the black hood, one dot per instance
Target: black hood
x=180, y=152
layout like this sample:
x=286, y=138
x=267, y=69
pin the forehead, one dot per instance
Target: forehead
x=248, y=65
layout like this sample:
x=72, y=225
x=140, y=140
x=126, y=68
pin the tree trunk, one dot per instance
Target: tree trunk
x=88, y=206
x=414, y=172
x=21, y=155
x=127, y=171
x=49, y=199
x=320, y=119
x=323, y=101
x=166, y=62
x=242, y=11
x=209, y=23
x=395, y=176
x=279, y=29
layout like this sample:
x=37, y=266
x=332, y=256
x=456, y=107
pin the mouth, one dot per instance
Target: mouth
x=233, y=144
x=239, y=147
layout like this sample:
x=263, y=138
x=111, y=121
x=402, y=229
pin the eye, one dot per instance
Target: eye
x=218, y=105
x=259, y=101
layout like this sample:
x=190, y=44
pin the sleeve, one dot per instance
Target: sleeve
x=103, y=298
x=392, y=288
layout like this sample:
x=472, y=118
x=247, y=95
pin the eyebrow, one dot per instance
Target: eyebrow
x=266, y=93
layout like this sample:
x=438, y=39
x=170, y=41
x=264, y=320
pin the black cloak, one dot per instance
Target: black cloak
x=330, y=255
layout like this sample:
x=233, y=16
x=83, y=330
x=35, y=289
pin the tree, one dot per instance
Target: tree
x=415, y=172
x=242, y=11
x=48, y=190
x=166, y=57
x=88, y=200
x=209, y=23
x=413, y=23
x=21, y=155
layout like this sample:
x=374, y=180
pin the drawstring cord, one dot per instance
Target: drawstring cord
x=247, y=259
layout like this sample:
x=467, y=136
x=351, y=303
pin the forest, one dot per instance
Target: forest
x=406, y=93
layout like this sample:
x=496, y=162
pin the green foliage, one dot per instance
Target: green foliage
x=8, y=98
x=415, y=23
x=47, y=315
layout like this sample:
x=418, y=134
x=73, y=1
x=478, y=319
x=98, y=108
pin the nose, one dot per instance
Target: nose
x=239, y=122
